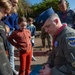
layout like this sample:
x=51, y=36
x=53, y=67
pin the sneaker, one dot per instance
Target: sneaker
x=43, y=48
x=33, y=58
x=15, y=72
x=15, y=58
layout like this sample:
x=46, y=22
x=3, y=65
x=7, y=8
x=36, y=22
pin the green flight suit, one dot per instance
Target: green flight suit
x=62, y=57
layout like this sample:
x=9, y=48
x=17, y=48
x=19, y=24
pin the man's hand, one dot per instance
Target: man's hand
x=45, y=70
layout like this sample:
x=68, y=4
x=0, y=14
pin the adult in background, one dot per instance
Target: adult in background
x=61, y=59
x=66, y=15
x=32, y=29
x=12, y=21
x=45, y=36
x=5, y=68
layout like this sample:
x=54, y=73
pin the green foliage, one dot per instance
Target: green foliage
x=45, y=4
x=28, y=10
x=23, y=8
x=38, y=8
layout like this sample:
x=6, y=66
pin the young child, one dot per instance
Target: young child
x=21, y=39
x=32, y=29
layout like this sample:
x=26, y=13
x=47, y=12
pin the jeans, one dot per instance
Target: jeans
x=11, y=52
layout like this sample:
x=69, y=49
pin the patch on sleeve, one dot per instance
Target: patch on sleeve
x=71, y=41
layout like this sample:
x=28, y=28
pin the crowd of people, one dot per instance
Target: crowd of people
x=10, y=24
x=58, y=28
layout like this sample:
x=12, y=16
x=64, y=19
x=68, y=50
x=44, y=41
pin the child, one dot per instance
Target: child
x=32, y=29
x=21, y=39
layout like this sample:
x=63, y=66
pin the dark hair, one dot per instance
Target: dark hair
x=21, y=19
x=30, y=19
x=61, y=1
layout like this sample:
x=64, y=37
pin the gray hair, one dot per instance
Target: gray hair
x=54, y=16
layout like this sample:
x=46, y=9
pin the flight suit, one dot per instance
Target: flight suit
x=62, y=57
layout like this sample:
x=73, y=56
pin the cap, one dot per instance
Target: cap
x=40, y=20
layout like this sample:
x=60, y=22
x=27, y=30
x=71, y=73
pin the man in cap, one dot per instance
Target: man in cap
x=66, y=15
x=61, y=59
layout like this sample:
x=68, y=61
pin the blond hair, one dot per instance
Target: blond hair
x=5, y=4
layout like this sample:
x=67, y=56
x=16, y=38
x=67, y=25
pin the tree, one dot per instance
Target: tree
x=45, y=4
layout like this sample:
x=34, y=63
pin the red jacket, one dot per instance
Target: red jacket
x=21, y=39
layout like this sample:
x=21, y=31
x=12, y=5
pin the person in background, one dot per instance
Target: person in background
x=5, y=68
x=61, y=59
x=22, y=42
x=12, y=21
x=32, y=29
x=44, y=36
x=66, y=15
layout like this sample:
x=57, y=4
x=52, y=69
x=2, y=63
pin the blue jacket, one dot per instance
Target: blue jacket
x=68, y=17
x=32, y=29
x=11, y=21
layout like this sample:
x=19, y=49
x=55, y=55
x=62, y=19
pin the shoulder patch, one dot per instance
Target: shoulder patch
x=71, y=41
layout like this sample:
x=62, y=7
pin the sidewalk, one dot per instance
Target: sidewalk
x=40, y=60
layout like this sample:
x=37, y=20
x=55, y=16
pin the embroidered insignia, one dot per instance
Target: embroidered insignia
x=68, y=14
x=56, y=43
x=71, y=42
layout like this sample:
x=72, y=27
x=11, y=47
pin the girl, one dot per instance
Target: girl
x=21, y=39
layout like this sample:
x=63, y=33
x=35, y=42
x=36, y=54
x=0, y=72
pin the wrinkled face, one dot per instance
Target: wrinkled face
x=63, y=6
x=14, y=3
x=22, y=25
x=50, y=27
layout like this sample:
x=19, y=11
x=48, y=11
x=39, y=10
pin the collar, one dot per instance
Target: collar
x=60, y=29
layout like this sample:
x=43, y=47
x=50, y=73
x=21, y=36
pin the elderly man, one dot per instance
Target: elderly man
x=61, y=60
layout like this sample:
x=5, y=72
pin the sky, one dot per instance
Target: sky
x=71, y=2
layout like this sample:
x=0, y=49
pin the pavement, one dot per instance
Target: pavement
x=37, y=52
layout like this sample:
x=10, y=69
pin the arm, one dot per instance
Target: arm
x=12, y=39
x=34, y=31
x=16, y=22
x=68, y=49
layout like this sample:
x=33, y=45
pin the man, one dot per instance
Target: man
x=61, y=60
x=66, y=15
x=45, y=36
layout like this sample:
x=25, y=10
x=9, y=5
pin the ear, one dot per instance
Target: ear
x=56, y=21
